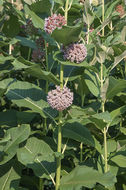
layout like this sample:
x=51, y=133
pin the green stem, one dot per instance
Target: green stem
x=103, y=15
x=104, y=131
x=47, y=66
x=41, y=184
x=61, y=76
x=66, y=10
x=29, y=54
x=88, y=31
x=81, y=152
x=58, y=170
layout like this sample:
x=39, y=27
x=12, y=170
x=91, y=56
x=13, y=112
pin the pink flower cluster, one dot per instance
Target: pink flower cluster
x=75, y=52
x=53, y=22
x=60, y=99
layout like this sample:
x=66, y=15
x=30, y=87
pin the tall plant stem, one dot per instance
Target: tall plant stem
x=29, y=54
x=103, y=16
x=104, y=131
x=47, y=66
x=41, y=185
x=66, y=9
x=81, y=152
x=58, y=170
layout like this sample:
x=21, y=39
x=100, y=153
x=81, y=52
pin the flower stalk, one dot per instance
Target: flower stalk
x=58, y=170
x=103, y=16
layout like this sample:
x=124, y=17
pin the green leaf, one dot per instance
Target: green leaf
x=18, y=135
x=105, y=116
x=37, y=21
x=37, y=72
x=42, y=6
x=92, y=83
x=11, y=27
x=120, y=159
x=118, y=59
x=10, y=175
x=26, y=42
x=74, y=130
x=28, y=95
x=37, y=154
x=58, y=56
x=67, y=34
x=110, y=9
x=83, y=176
x=117, y=112
x=115, y=86
x=13, y=118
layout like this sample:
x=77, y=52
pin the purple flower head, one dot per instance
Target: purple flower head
x=60, y=99
x=29, y=28
x=53, y=22
x=38, y=55
x=40, y=43
x=75, y=52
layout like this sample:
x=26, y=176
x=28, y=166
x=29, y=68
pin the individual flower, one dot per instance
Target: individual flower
x=75, y=52
x=29, y=28
x=60, y=99
x=53, y=22
x=120, y=10
x=38, y=55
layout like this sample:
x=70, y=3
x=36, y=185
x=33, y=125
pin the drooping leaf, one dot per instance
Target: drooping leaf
x=76, y=131
x=120, y=159
x=26, y=42
x=37, y=154
x=37, y=21
x=67, y=34
x=13, y=118
x=42, y=6
x=92, y=83
x=115, y=86
x=37, y=72
x=18, y=135
x=10, y=174
x=83, y=176
x=28, y=95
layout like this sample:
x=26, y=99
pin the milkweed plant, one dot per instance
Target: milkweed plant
x=62, y=95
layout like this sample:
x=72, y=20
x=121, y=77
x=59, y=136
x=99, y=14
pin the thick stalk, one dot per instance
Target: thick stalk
x=66, y=10
x=103, y=15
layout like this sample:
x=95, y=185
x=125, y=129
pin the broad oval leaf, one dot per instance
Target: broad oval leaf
x=74, y=130
x=83, y=176
x=28, y=95
x=17, y=135
x=38, y=155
